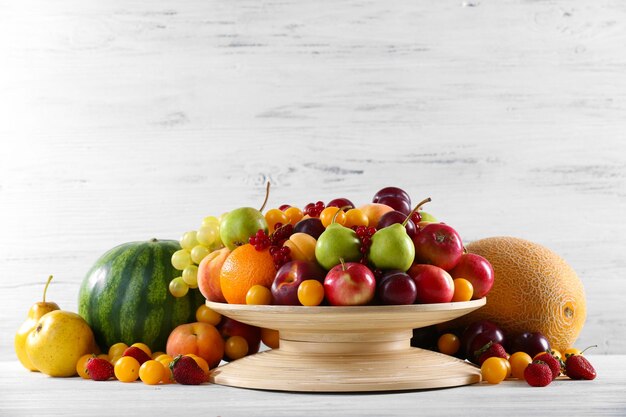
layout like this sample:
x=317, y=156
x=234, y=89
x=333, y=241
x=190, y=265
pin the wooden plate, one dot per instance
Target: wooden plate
x=346, y=349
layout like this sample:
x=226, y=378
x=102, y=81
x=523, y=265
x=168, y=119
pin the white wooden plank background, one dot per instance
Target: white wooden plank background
x=124, y=120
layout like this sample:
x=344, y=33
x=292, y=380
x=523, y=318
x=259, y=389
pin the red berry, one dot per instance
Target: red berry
x=99, y=369
x=538, y=374
x=136, y=353
x=578, y=367
x=186, y=371
x=552, y=362
x=260, y=240
x=489, y=350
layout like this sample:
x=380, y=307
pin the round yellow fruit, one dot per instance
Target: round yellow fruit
x=534, y=290
x=58, y=341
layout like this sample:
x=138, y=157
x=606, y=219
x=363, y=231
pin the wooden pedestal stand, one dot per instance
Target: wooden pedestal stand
x=346, y=349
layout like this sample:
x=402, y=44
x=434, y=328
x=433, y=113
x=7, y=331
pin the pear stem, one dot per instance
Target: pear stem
x=45, y=289
x=343, y=264
x=267, y=196
x=420, y=204
x=337, y=213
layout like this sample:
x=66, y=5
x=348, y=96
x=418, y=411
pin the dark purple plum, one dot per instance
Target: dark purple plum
x=396, y=203
x=530, y=342
x=488, y=331
x=395, y=216
x=312, y=226
x=397, y=288
x=341, y=202
x=392, y=192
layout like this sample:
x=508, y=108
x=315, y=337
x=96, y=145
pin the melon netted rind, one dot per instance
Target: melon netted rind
x=534, y=290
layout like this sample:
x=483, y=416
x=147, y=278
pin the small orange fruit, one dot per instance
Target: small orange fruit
x=245, y=267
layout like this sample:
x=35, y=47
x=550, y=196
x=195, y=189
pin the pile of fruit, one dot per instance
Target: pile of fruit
x=141, y=297
x=485, y=344
x=384, y=252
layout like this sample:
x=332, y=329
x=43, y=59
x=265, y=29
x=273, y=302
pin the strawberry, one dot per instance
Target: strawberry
x=136, y=353
x=99, y=369
x=578, y=367
x=552, y=362
x=538, y=374
x=186, y=371
x=490, y=350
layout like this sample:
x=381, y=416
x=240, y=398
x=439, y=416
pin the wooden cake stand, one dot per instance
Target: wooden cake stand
x=346, y=349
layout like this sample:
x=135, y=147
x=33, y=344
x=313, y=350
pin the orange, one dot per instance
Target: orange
x=534, y=290
x=245, y=267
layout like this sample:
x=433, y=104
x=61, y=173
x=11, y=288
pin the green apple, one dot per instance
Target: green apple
x=238, y=225
x=337, y=242
x=427, y=217
x=392, y=248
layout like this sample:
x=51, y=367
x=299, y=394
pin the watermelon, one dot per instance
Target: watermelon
x=125, y=296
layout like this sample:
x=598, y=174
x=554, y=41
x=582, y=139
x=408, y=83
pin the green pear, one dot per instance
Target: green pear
x=58, y=340
x=392, y=248
x=238, y=225
x=337, y=242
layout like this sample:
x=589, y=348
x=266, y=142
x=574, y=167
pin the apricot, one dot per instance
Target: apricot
x=374, y=211
x=302, y=246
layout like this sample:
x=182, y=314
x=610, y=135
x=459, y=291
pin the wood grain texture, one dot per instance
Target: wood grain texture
x=346, y=349
x=28, y=394
x=127, y=120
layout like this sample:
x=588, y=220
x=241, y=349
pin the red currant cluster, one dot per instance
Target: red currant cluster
x=281, y=234
x=314, y=209
x=365, y=236
x=281, y=255
x=260, y=241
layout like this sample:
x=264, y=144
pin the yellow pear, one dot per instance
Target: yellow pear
x=34, y=314
x=58, y=340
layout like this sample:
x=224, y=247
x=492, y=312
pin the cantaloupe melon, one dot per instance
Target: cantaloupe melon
x=534, y=290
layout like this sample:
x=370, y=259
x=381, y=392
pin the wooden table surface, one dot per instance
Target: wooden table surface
x=29, y=394
x=124, y=120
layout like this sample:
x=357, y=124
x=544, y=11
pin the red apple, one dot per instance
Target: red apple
x=438, y=244
x=476, y=270
x=349, y=284
x=434, y=285
x=288, y=279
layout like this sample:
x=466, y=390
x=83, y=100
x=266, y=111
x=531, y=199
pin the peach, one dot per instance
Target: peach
x=201, y=339
x=374, y=211
x=209, y=275
x=302, y=246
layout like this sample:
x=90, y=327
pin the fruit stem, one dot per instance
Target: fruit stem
x=267, y=196
x=45, y=289
x=420, y=204
x=343, y=264
x=588, y=347
x=337, y=213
